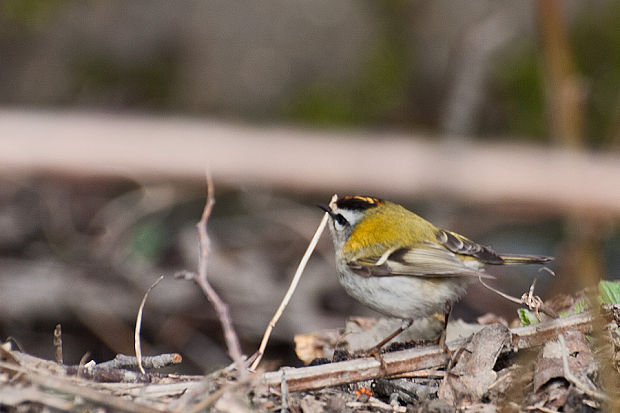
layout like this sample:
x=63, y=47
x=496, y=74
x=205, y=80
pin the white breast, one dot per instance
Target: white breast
x=404, y=297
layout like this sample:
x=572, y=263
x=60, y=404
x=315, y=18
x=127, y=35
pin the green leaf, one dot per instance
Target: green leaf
x=610, y=292
x=580, y=306
x=527, y=317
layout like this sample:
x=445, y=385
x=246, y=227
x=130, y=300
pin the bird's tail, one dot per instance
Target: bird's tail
x=525, y=259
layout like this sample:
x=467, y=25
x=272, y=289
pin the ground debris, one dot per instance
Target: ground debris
x=496, y=369
x=473, y=373
x=549, y=366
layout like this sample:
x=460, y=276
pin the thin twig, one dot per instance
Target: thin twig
x=573, y=379
x=212, y=398
x=496, y=291
x=58, y=343
x=420, y=374
x=284, y=393
x=221, y=308
x=137, y=344
x=83, y=360
x=499, y=380
x=541, y=408
x=533, y=302
x=291, y=289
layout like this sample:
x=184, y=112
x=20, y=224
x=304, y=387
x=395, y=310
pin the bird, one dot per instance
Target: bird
x=401, y=265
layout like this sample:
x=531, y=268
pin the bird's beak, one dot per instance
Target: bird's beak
x=325, y=208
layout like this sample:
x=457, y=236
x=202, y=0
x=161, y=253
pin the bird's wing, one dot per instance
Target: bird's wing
x=458, y=244
x=426, y=260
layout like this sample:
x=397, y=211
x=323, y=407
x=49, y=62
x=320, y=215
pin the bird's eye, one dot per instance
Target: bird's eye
x=340, y=220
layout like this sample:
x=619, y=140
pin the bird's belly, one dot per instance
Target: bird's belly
x=404, y=296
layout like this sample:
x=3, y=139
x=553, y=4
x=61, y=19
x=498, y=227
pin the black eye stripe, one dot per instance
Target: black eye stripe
x=340, y=219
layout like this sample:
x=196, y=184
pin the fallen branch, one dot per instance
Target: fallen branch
x=399, y=362
x=121, y=361
x=111, y=370
x=115, y=370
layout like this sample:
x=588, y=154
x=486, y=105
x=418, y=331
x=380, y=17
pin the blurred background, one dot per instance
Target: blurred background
x=497, y=119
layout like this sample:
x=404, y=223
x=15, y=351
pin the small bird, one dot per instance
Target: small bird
x=401, y=265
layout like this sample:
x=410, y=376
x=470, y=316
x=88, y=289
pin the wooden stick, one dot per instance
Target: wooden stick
x=291, y=289
x=121, y=361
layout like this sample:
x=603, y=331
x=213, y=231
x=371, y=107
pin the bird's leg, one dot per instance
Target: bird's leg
x=404, y=325
x=452, y=357
x=444, y=332
x=376, y=350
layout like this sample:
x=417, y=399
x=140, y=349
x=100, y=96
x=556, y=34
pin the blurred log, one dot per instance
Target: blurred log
x=332, y=161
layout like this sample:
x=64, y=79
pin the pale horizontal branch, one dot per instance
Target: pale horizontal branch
x=332, y=161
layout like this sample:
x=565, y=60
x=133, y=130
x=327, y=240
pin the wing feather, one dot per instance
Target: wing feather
x=458, y=244
x=427, y=260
